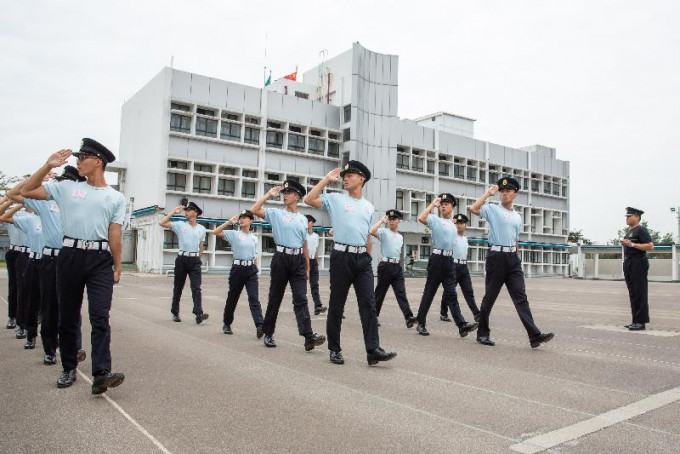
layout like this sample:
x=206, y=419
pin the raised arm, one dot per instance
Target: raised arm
x=165, y=222
x=376, y=226
x=257, y=209
x=8, y=216
x=422, y=217
x=219, y=231
x=33, y=188
x=476, y=207
x=15, y=192
x=313, y=197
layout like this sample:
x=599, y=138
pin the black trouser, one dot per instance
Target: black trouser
x=30, y=293
x=239, y=277
x=505, y=268
x=349, y=269
x=19, y=267
x=185, y=265
x=76, y=270
x=440, y=270
x=465, y=284
x=286, y=268
x=391, y=274
x=49, y=305
x=635, y=272
x=314, y=282
x=11, y=260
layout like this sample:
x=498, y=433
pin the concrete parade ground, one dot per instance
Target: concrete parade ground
x=192, y=389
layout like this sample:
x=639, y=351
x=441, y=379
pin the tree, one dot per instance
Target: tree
x=6, y=182
x=576, y=236
x=657, y=239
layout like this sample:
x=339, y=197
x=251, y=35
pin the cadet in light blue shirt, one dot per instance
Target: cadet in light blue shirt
x=190, y=237
x=289, y=229
x=16, y=236
x=351, y=218
x=313, y=247
x=16, y=262
x=443, y=232
x=50, y=217
x=243, y=271
x=504, y=224
x=32, y=227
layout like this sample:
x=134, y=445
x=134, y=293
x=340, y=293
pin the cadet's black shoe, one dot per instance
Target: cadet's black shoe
x=410, y=321
x=103, y=382
x=336, y=358
x=21, y=333
x=50, y=359
x=378, y=355
x=627, y=326
x=258, y=331
x=269, y=341
x=30, y=344
x=11, y=323
x=377, y=320
x=200, y=317
x=422, y=330
x=226, y=329
x=467, y=328
x=445, y=318
x=541, y=339
x=477, y=317
x=176, y=318
x=637, y=327
x=314, y=340
x=320, y=310
x=81, y=355
x=485, y=340
x=66, y=378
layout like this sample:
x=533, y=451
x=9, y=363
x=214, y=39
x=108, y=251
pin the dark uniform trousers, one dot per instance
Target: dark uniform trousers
x=314, y=282
x=635, y=271
x=440, y=270
x=286, y=268
x=352, y=269
x=391, y=274
x=505, y=268
x=465, y=284
x=49, y=306
x=76, y=270
x=19, y=267
x=239, y=277
x=10, y=261
x=185, y=265
x=30, y=293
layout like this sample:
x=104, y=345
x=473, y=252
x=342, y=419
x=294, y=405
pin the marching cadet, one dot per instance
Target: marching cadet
x=92, y=215
x=440, y=266
x=17, y=245
x=190, y=235
x=390, y=272
x=313, y=247
x=460, y=254
x=290, y=263
x=636, y=243
x=350, y=262
x=503, y=264
x=243, y=271
x=30, y=281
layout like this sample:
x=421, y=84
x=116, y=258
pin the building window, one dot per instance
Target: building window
x=347, y=113
x=302, y=95
x=525, y=183
x=315, y=133
x=249, y=173
x=400, y=200
x=274, y=139
x=221, y=244
x=443, y=169
x=230, y=131
x=345, y=135
x=556, y=189
x=227, y=171
x=203, y=167
x=229, y=116
x=248, y=189
x=535, y=186
x=493, y=177
x=564, y=191
x=430, y=167
x=226, y=187
x=178, y=164
x=333, y=136
x=472, y=174
x=402, y=161
x=424, y=253
x=206, y=127
x=182, y=107
x=296, y=142
x=273, y=124
x=177, y=182
x=268, y=244
x=180, y=123
x=202, y=185
x=546, y=188
x=204, y=111
x=170, y=240
x=272, y=176
x=316, y=146
x=295, y=129
x=414, y=210
x=252, y=136
x=458, y=171
x=482, y=176
x=253, y=120
x=333, y=149
x=418, y=164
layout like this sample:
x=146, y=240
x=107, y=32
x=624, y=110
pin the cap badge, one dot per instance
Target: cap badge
x=505, y=181
x=285, y=185
x=346, y=166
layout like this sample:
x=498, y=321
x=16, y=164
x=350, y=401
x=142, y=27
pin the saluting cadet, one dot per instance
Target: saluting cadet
x=16, y=246
x=503, y=264
x=636, y=243
x=243, y=271
x=313, y=247
x=92, y=215
x=390, y=272
x=29, y=302
x=460, y=254
x=440, y=266
x=16, y=312
x=290, y=263
x=350, y=262
x=190, y=235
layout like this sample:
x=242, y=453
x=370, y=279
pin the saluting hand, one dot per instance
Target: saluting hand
x=492, y=190
x=59, y=158
x=178, y=209
x=334, y=175
x=437, y=202
x=273, y=192
x=234, y=219
x=385, y=219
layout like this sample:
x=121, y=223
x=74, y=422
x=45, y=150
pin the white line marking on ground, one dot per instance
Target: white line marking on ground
x=621, y=329
x=608, y=419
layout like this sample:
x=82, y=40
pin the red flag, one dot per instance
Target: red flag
x=291, y=76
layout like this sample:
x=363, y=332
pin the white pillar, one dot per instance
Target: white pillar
x=596, y=271
x=674, y=263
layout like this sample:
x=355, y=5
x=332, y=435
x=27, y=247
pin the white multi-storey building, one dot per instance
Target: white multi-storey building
x=223, y=144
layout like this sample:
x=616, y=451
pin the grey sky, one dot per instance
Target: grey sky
x=598, y=80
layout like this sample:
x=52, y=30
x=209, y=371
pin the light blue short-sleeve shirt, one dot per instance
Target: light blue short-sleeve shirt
x=16, y=236
x=189, y=237
x=50, y=217
x=289, y=229
x=243, y=245
x=351, y=218
x=443, y=232
x=87, y=211
x=32, y=227
x=390, y=243
x=504, y=225
x=312, y=244
x=460, y=247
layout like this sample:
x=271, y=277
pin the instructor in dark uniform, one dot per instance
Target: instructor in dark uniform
x=636, y=243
